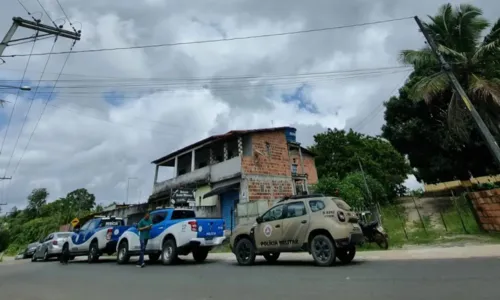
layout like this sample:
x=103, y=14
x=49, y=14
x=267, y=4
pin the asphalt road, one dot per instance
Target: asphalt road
x=218, y=280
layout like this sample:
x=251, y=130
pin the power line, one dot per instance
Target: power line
x=47, y=13
x=66, y=15
x=218, y=40
x=27, y=113
x=17, y=96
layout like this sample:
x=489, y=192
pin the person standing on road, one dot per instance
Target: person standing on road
x=144, y=226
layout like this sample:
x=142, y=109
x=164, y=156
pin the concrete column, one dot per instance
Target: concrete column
x=156, y=174
x=193, y=160
x=226, y=154
x=211, y=157
x=176, y=161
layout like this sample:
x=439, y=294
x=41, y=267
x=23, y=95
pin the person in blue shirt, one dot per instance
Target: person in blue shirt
x=144, y=226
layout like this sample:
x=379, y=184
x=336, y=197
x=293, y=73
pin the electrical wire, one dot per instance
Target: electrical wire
x=41, y=114
x=47, y=13
x=17, y=95
x=29, y=109
x=219, y=40
x=66, y=15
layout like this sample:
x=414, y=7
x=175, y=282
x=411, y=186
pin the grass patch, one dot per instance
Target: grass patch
x=223, y=248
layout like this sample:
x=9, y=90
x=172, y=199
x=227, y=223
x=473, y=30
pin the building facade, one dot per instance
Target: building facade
x=237, y=175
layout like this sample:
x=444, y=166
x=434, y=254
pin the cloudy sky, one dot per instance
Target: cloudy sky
x=111, y=113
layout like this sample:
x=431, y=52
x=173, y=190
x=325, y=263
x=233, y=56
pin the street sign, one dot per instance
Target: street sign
x=183, y=196
x=75, y=222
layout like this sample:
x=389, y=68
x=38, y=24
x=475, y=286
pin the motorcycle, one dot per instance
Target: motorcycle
x=373, y=231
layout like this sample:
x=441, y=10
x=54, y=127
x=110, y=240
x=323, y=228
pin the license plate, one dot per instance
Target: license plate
x=209, y=238
x=209, y=242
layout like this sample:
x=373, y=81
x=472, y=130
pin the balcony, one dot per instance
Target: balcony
x=214, y=173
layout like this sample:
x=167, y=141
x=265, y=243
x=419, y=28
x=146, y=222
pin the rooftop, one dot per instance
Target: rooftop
x=222, y=137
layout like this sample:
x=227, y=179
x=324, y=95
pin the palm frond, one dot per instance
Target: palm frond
x=429, y=87
x=482, y=89
x=457, y=57
x=424, y=58
x=489, y=49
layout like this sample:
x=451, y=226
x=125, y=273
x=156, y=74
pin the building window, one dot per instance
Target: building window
x=268, y=149
x=261, y=188
x=294, y=169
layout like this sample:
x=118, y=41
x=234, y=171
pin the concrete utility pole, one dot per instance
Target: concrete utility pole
x=38, y=27
x=485, y=132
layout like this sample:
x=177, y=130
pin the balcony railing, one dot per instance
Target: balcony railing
x=214, y=173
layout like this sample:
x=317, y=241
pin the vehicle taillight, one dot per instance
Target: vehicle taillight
x=109, y=233
x=341, y=216
x=194, y=225
x=54, y=242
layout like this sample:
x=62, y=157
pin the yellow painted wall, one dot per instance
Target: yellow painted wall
x=200, y=192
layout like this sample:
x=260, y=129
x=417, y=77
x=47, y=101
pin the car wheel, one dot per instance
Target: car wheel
x=271, y=257
x=154, y=257
x=46, y=255
x=169, y=252
x=245, y=252
x=33, y=258
x=200, y=254
x=346, y=255
x=93, y=255
x=323, y=250
x=123, y=257
x=72, y=258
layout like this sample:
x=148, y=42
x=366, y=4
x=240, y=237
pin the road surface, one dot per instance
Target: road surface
x=456, y=279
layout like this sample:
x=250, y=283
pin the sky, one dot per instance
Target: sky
x=112, y=113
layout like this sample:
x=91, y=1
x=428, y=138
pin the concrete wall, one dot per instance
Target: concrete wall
x=200, y=192
x=487, y=206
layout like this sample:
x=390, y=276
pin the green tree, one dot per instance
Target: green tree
x=80, y=200
x=339, y=153
x=475, y=57
x=36, y=200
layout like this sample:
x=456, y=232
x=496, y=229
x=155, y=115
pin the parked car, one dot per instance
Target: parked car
x=323, y=226
x=27, y=252
x=175, y=232
x=96, y=237
x=51, y=246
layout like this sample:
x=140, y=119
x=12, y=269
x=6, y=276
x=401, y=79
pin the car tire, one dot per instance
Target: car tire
x=200, y=254
x=346, y=255
x=72, y=257
x=122, y=257
x=323, y=250
x=271, y=257
x=169, y=252
x=46, y=255
x=93, y=255
x=154, y=257
x=33, y=258
x=245, y=252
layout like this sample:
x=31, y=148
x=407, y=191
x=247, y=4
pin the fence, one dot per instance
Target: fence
x=423, y=219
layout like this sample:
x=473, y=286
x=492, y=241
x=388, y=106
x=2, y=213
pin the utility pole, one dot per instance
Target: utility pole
x=364, y=179
x=485, y=132
x=38, y=27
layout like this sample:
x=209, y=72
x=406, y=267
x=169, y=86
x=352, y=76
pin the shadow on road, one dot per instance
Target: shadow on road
x=296, y=263
x=157, y=263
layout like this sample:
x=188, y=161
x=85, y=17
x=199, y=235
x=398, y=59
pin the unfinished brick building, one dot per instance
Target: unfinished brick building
x=238, y=175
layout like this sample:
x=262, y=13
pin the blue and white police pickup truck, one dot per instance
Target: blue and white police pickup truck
x=96, y=237
x=174, y=232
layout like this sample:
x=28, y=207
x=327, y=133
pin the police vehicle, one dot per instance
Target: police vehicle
x=96, y=237
x=174, y=232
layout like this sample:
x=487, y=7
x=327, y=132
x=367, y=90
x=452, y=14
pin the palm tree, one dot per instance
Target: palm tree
x=475, y=61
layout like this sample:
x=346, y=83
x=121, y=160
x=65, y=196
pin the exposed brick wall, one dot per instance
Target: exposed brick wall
x=269, y=188
x=277, y=163
x=487, y=206
x=309, y=166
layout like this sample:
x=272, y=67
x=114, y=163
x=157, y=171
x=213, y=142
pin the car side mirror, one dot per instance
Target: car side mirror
x=259, y=220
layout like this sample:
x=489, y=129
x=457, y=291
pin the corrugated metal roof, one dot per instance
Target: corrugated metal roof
x=219, y=137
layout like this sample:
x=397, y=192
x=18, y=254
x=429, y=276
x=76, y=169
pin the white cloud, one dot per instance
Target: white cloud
x=83, y=141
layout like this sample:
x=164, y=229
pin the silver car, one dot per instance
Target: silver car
x=51, y=246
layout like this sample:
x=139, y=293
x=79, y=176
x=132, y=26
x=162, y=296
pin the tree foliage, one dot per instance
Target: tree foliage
x=428, y=122
x=339, y=153
x=22, y=227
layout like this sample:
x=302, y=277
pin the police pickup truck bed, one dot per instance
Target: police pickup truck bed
x=96, y=237
x=174, y=232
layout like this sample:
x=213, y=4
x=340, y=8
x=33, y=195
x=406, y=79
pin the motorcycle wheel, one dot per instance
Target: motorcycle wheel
x=381, y=240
